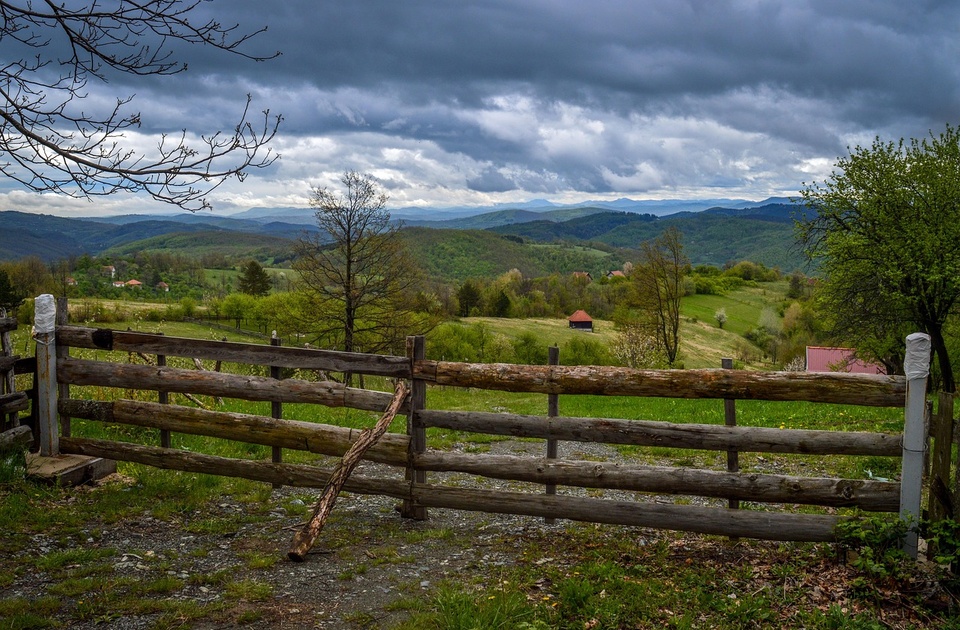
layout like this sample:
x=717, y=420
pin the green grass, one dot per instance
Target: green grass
x=743, y=306
x=587, y=577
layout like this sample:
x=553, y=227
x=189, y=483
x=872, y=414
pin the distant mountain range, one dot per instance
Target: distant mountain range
x=715, y=231
x=431, y=216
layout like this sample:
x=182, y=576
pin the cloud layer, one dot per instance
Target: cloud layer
x=459, y=103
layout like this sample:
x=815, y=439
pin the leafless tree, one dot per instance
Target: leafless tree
x=55, y=50
x=356, y=271
x=659, y=283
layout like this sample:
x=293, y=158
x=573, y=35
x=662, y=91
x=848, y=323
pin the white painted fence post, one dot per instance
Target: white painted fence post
x=48, y=420
x=917, y=369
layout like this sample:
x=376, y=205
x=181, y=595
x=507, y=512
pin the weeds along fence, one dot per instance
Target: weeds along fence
x=411, y=460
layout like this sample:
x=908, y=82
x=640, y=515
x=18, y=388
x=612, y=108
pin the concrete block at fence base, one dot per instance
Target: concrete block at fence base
x=68, y=470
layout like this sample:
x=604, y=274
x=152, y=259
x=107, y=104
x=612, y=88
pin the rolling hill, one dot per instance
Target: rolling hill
x=590, y=238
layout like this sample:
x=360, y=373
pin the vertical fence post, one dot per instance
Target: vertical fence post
x=553, y=410
x=276, y=407
x=164, y=399
x=63, y=352
x=917, y=368
x=730, y=420
x=939, y=501
x=416, y=351
x=45, y=325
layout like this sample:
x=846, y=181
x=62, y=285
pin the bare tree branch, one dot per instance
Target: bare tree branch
x=50, y=145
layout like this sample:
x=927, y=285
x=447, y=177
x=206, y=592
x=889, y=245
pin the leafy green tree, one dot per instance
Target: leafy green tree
x=501, y=304
x=254, y=280
x=530, y=349
x=468, y=297
x=10, y=296
x=583, y=351
x=238, y=307
x=721, y=316
x=884, y=228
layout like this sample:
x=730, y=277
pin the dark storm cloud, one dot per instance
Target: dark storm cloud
x=465, y=101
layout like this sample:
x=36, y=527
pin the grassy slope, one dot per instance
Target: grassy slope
x=702, y=342
x=208, y=242
x=455, y=255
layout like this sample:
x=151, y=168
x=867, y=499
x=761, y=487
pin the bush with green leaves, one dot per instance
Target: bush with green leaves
x=877, y=543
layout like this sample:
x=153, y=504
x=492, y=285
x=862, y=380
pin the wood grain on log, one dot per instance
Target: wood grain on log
x=720, y=521
x=651, y=433
x=168, y=379
x=855, y=389
x=254, y=354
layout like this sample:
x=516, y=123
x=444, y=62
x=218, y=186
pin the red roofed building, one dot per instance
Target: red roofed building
x=581, y=321
x=823, y=359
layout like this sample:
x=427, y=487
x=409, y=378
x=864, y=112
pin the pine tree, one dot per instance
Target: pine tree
x=254, y=280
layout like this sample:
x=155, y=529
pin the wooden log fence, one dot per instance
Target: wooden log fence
x=412, y=459
x=393, y=450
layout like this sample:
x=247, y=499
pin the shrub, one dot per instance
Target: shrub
x=585, y=351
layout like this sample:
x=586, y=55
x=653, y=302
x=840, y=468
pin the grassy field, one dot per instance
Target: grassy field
x=743, y=306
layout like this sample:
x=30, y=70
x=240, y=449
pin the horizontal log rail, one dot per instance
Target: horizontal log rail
x=651, y=433
x=17, y=437
x=25, y=365
x=8, y=324
x=254, y=354
x=321, y=439
x=7, y=362
x=841, y=388
x=331, y=440
x=14, y=402
x=868, y=495
x=176, y=380
x=704, y=520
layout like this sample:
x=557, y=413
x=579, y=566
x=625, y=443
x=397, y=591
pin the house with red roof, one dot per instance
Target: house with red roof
x=825, y=359
x=581, y=321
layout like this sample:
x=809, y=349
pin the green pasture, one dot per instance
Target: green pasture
x=743, y=305
x=229, y=277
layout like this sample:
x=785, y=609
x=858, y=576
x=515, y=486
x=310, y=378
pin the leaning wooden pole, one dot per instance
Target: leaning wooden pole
x=303, y=541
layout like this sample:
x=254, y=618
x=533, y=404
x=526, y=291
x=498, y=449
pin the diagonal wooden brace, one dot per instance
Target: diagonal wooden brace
x=305, y=538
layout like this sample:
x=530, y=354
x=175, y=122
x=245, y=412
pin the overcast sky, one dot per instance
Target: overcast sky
x=453, y=103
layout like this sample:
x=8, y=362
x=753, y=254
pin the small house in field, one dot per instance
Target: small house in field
x=134, y=284
x=616, y=274
x=163, y=286
x=582, y=275
x=581, y=321
x=824, y=359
